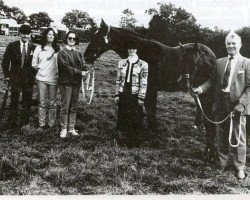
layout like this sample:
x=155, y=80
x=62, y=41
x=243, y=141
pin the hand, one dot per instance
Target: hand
x=6, y=80
x=238, y=109
x=85, y=73
x=196, y=91
x=140, y=102
x=116, y=100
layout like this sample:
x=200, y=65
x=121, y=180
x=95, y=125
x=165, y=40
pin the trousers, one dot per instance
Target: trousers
x=222, y=132
x=69, y=99
x=47, y=94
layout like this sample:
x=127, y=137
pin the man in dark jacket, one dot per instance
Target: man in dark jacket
x=19, y=73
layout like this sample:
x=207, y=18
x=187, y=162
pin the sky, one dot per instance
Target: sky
x=225, y=14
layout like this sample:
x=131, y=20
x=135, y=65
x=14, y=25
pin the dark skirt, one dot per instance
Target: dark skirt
x=129, y=114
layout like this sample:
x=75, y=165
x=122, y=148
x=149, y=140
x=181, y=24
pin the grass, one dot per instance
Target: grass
x=170, y=163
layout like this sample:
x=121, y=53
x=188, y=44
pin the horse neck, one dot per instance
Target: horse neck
x=147, y=49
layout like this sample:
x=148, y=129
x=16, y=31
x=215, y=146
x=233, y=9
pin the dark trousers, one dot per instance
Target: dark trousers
x=26, y=88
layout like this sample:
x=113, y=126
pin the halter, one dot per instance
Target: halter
x=106, y=36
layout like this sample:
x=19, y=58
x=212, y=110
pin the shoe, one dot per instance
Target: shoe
x=223, y=168
x=40, y=129
x=73, y=132
x=26, y=127
x=63, y=133
x=240, y=174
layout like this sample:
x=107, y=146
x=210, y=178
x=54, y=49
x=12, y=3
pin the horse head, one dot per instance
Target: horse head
x=196, y=63
x=98, y=44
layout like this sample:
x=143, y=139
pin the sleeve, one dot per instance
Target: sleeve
x=143, y=82
x=245, y=97
x=64, y=65
x=118, y=80
x=6, y=61
x=35, y=59
x=211, y=81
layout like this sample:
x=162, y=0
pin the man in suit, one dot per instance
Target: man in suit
x=230, y=83
x=20, y=76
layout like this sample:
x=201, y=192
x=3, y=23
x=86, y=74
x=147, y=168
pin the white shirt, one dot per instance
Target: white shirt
x=70, y=48
x=21, y=46
x=233, y=64
x=132, y=59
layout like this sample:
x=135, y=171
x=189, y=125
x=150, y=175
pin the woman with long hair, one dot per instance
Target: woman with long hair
x=45, y=61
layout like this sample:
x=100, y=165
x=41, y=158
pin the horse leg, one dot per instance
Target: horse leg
x=150, y=106
x=210, y=152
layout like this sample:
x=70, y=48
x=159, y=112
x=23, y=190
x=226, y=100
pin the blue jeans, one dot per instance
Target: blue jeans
x=46, y=92
x=69, y=99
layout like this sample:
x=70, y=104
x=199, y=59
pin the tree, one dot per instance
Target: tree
x=17, y=14
x=172, y=25
x=127, y=19
x=40, y=19
x=12, y=12
x=78, y=19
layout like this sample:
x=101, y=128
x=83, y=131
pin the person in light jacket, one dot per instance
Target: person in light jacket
x=131, y=88
x=230, y=83
x=45, y=61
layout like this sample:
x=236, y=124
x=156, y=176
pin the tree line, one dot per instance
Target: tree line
x=168, y=24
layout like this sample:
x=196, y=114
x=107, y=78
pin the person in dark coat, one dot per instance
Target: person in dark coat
x=20, y=76
x=131, y=88
x=71, y=69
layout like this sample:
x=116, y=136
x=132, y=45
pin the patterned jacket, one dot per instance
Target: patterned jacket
x=138, y=77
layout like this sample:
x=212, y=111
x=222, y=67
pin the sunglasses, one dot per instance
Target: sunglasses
x=72, y=38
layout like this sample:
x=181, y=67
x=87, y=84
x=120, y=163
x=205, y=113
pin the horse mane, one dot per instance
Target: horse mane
x=128, y=32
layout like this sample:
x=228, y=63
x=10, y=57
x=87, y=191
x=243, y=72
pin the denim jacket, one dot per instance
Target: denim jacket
x=138, y=77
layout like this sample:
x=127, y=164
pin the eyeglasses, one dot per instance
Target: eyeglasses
x=72, y=38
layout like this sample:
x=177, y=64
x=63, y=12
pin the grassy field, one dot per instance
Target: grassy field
x=170, y=163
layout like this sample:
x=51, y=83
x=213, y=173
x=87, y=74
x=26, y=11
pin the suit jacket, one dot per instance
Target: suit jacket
x=240, y=85
x=12, y=61
x=139, y=77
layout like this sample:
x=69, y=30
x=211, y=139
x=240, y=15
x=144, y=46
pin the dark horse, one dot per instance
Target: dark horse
x=169, y=67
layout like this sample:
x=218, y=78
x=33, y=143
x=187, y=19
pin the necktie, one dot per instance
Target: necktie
x=23, y=54
x=227, y=74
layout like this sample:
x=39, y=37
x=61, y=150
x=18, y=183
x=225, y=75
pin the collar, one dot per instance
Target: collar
x=22, y=43
x=48, y=48
x=70, y=48
x=236, y=56
x=133, y=59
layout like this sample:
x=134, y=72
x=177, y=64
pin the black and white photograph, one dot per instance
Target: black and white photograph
x=124, y=97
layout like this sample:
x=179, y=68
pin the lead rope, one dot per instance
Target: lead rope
x=219, y=122
x=231, y=124
x=88, y=87
x=231, y=131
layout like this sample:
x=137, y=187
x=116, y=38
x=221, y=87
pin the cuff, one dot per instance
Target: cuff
x=240, y=107
x=200, y=88
x=140, y=98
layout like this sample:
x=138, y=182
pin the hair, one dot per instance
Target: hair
x=67, y=35
x=233, y=35
x=25, y=29
x=44, y=40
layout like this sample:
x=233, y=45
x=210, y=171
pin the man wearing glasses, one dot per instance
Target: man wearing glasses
x=20, y=76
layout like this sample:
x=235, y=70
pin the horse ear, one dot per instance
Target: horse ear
x=181, y=46
x=104, y=27
x=196, y=47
